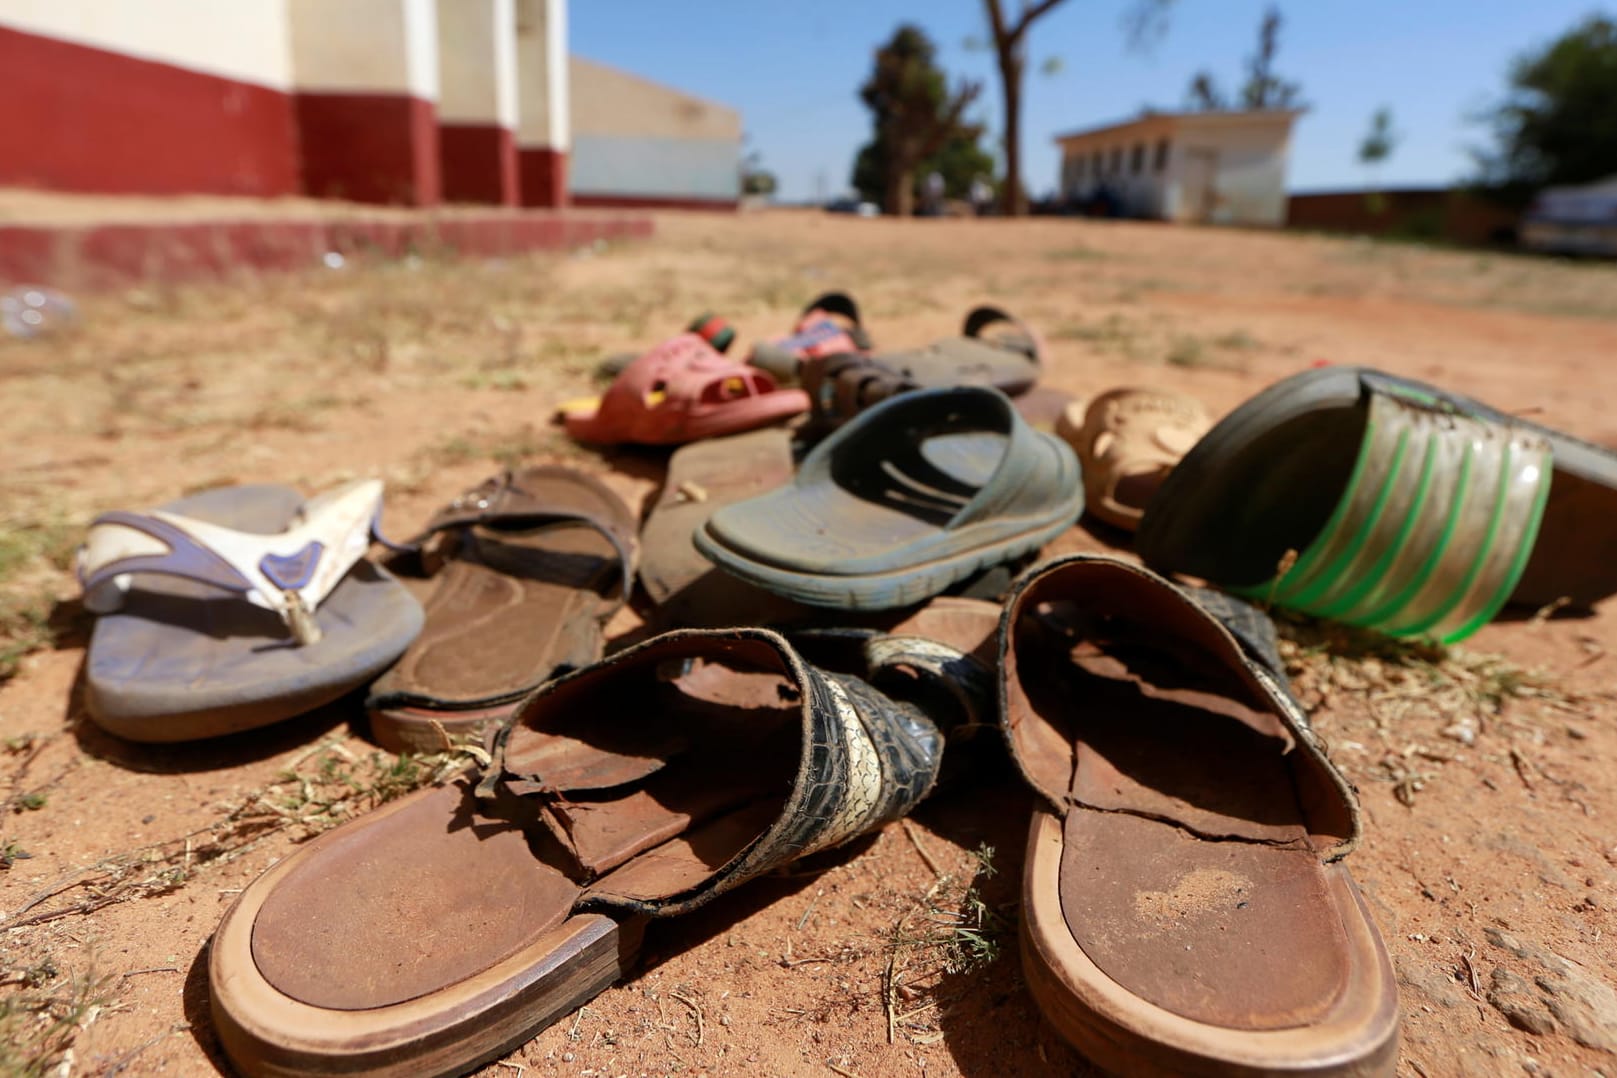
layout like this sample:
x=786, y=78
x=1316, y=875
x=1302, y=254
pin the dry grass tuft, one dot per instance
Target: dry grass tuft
x=945, y=935
x=25, y=542
x=325, y=786
x=507, y=448
x=24, y=629
x=35, y=548
x=42, y=1011
x=1413, y=707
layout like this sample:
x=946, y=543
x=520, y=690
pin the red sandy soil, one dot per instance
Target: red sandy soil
x=1483, y=862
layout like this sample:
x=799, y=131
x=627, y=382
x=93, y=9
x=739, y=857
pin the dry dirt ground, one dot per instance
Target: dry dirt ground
x=1489, y=775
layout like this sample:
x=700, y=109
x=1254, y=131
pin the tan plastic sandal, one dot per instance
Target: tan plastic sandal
x=1185, y=907
x=1129, y=440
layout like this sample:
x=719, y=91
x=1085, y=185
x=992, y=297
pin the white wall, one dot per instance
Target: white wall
x=634, y=138
x=244, y=40
x=365, y=46
x=477, y=62
x=614, y=103
x=1140, y=194
x=1252, y=157
x=542, y=74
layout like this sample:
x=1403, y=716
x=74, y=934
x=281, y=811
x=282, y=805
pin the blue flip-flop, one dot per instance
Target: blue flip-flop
x=236, y=607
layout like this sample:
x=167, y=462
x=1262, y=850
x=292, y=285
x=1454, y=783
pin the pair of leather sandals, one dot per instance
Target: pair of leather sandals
x=1177, y=916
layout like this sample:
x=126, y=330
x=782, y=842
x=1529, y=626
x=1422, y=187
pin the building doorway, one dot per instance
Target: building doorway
x=1199, y=188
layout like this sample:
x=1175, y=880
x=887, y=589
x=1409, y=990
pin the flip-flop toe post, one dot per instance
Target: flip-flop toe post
x=527, y=569
x=1375, y=500
x=236, y=607
x=1186, y=908
x=918, y=493
x=449, y=926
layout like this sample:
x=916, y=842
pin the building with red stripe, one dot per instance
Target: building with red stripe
x=408, y=102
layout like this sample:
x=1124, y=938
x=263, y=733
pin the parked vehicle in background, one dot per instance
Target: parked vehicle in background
x=1576, y=220
x=857, y=207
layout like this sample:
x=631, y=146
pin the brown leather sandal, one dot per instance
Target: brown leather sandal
x=528, y=568
x=450, y=926
x=689, y=591
x=1128, y=441
x=840, y=387
x=1185, y=905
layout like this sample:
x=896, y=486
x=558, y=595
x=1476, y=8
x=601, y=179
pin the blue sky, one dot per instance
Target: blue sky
x=793, y=69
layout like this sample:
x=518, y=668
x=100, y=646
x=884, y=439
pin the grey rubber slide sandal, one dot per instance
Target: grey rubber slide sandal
x=994, y=348
x=235, y=608
x=915, y=494
x=1360, y=496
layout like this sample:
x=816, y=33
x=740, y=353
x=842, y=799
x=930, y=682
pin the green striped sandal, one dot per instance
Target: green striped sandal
x=1377, y=501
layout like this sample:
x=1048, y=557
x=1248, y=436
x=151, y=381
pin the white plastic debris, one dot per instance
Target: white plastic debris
x=1464, y=731
x=33, y=311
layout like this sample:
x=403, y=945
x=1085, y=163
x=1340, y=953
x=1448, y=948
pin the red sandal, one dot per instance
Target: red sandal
x=678, y=392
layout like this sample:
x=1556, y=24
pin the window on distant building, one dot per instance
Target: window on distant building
x=1162, y=155
x=1117, y=160
x=1137, y=159
x=1097, y=164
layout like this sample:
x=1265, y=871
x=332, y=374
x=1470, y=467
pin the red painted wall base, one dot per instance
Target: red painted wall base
x=543, y=173
x=83, y=119
x=370, y=148
x=479, y=164
x=113, y=255
x=655, y=202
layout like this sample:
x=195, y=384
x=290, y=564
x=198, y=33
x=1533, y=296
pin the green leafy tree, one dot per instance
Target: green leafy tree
x=959, y=161
x=1204, y=94
x=1374, y=149
x=755, y=179
x=1263, y=89
x=1558, y=122
x=915, y=115
x=758, y=182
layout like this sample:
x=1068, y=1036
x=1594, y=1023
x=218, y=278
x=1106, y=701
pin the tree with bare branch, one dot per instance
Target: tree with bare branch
x=1143, y=20
x=1010, y=52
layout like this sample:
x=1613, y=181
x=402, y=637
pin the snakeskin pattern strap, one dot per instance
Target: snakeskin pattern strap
x=864, y=759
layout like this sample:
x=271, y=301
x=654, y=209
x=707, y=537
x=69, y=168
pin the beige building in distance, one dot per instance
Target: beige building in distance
x=1206, y=167
x=638, y=143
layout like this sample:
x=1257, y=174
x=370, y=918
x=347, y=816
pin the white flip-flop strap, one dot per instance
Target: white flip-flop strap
x=290, y=572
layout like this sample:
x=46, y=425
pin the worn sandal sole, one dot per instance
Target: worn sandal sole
x=447, y=927
x=267, y=1032
x=523, y=597
x=689, y=590
x=897, y=587
x=1185, y=908
x=1127, y=1035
